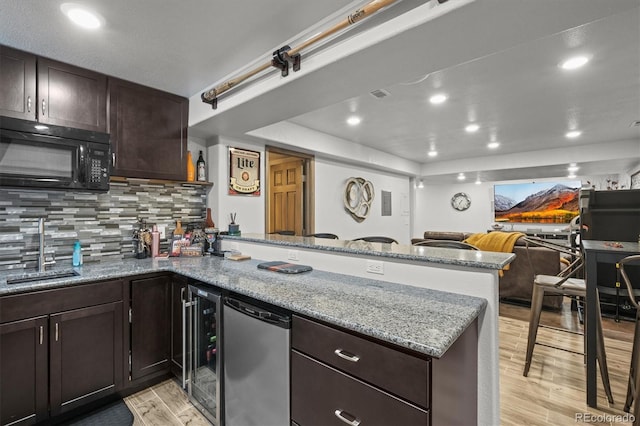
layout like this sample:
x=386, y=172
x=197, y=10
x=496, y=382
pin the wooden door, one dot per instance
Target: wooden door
x=71, y=96
x=17, y=84
x=285, y=195
x=86, y=355
x=148, y=131
x=150, y=328
x=24, y=383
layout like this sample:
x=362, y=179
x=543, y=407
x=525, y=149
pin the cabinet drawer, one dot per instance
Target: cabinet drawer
x=44, y=302
x=397, y=372
x=320, y=394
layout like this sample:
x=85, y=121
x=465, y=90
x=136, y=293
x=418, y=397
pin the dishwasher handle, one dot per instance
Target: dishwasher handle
x=283, y=321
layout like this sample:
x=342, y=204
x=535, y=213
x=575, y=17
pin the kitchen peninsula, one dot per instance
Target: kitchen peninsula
x=439, y=327
x=464, y=272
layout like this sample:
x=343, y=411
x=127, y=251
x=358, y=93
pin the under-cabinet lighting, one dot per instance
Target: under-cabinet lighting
x=354, y=120
x=471, y=128
x=574, y=63
x=438, y=98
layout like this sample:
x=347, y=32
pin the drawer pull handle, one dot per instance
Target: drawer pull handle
x=346, y=355
x=339, y=414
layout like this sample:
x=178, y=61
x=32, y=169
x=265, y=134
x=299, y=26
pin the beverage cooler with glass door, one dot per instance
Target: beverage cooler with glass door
x=204, y=351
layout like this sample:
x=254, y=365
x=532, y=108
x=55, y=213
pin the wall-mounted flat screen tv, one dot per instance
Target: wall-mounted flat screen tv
x=543, y=202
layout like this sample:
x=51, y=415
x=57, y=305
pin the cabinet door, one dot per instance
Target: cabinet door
x=148, y=131
x=23, y=371
x=86, y=355
x=71, y=96
x=17, y=84
x=178, y=289
x=150, y=330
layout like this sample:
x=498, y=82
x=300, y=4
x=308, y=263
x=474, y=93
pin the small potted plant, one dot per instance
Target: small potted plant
x=234, y=228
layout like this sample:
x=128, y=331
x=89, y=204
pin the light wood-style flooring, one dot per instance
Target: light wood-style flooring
x=553, y=394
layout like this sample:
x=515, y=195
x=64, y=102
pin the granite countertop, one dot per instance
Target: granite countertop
x=446, y=256
x=427, y=321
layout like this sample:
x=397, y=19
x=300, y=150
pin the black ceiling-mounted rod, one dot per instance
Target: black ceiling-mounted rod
x=285, y=55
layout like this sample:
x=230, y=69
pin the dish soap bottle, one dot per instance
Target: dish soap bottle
x=191, y=170
x=202, y=170
x=77, y=254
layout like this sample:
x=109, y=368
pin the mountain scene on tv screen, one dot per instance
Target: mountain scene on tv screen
x=554, y=203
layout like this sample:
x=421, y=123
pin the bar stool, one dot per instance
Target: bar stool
x=634, y=378
x=565, y=285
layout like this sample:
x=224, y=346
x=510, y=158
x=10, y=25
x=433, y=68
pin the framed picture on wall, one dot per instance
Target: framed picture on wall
x=635, y=180
x=244, y=172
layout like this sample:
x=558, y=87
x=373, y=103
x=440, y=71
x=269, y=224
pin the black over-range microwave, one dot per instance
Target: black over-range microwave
x=33, y=155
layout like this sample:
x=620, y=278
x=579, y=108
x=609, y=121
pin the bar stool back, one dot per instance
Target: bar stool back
x=634, y=367
x=566, y=285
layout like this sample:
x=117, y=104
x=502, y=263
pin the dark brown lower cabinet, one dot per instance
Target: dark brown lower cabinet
x=24, y=383
x=150, y=326
x=324, y=396
x=339, y=376
x=85, y=355
x=59, y=349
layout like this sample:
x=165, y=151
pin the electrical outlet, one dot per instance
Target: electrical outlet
x=292, y=255
x=375, y=267
x=162, y=230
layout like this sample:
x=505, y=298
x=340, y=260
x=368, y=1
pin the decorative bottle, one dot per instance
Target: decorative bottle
x=201, y=169
x=191, y=170
x=155, y=241
x=178, y=230
x=208, y=223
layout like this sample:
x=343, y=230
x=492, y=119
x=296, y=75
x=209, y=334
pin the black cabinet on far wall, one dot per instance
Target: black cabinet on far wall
x=148, y=131
x=17, y=84
x=150, y=329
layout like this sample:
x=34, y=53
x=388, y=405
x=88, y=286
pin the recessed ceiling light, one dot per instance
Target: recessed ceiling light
x=438, y=98
x=571, y=176
x=574, y=63
x=432, y=153
x=40, y=127
x=493, y=145
x=81, y=16
x=478, y=182
x=421, y=184
x=473, y=127
x=573, y=169
x=353, y=120
x=573, y=134
x=461, y=176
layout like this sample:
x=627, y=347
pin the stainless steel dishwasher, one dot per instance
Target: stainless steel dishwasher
x=256, y=364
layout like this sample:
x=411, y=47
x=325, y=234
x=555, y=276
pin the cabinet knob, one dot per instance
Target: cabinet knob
x=345, y=355
x=113, y=159
x=57, y=334
x=41, y=334
x=340, y=414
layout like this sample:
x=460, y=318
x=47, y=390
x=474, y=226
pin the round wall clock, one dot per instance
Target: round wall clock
x=460, y=201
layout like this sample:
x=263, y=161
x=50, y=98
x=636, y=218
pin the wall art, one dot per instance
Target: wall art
x=358, y=196
x=244, y=172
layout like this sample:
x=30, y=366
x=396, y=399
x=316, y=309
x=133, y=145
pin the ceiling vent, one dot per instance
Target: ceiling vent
x=635, y=123
x=380, y=93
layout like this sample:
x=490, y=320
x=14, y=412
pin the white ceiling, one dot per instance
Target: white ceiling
x=512, y=87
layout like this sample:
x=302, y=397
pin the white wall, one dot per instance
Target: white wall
x=332, y=217
x=330, y=179
x=433, y=209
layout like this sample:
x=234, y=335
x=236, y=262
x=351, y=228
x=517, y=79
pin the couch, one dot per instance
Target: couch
x=516, y=283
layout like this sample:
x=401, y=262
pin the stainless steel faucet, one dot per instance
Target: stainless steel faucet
x=41, y=259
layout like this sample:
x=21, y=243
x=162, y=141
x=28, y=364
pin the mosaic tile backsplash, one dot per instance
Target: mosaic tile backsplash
x=103, y=223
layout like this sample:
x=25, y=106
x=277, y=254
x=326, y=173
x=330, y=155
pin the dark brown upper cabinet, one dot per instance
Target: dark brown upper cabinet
x=148, y=131
x=71, y=96
x=17, y=84
x=34, y=88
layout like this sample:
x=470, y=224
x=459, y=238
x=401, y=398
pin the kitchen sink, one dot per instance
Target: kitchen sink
x=41, y=276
